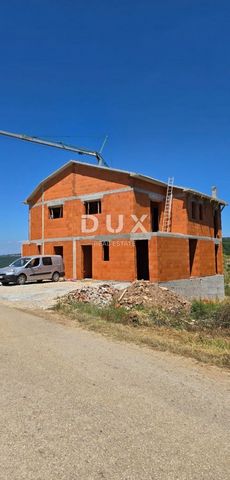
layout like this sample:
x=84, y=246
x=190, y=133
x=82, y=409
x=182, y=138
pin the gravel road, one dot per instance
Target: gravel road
x=44, y=295
x=76, y=405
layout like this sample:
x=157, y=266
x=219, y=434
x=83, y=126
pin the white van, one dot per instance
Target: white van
x=33, y=269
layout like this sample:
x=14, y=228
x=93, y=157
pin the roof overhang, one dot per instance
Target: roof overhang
x=133, y=175
x=203, y=195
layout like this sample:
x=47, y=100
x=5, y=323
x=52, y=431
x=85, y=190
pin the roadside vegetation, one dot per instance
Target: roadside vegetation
x=227, y=275
x=226, y=245
x=226, y=248
x=203, y=333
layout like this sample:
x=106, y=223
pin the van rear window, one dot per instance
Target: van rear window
x=47, y=260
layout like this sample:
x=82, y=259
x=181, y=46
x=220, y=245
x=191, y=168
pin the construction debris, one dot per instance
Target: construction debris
x=101, y=295
x=140, y=294
x=151, y=295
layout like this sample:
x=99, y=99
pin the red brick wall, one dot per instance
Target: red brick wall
x=36, y=222
x=61, y=187
x=179, y=220
x=85, y=180
x=195, y=266
x=29, y=249
x=203, y=227
x=114, y=205
x=141, y=206
x=207, y=258
x=59, y=227
x=220, y=260
x=92, y=180
x=153, y=259
x=121, y=265
x=168, y=259
x=173, y=258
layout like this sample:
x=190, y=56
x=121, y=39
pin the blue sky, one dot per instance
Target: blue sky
x=152, y=75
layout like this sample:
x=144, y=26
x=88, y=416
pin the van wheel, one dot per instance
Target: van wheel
x=55, y=277
x=4, y=284
x=21, y=280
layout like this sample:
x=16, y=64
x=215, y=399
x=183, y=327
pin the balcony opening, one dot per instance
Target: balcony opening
x=194, y=210
x=216, y=258
x=216, y=222
x=154, y=208
x=201, y=212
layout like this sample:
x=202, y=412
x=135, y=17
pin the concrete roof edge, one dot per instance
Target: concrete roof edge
x=204, y=195
x=145, y=178
x=131, y=174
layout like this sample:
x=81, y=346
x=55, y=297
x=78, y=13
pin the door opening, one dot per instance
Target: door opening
x=216, y=258
x=58, y=250
x=216, y=223
x=87, y=261
x=142, y=259
x=192, y=253
x=154, y=208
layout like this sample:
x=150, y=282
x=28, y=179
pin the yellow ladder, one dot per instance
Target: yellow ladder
x=168, y=206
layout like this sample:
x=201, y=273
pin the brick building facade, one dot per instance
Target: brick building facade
x=108, y=225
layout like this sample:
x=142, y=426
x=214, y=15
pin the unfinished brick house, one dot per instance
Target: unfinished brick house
x=109, y=224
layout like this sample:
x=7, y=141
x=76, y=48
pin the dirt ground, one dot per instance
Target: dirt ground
x=76, y=405
x=43, y=295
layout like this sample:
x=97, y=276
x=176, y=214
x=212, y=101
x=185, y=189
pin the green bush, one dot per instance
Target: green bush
x=223, y=317
x=211, y=315
x=201, y=309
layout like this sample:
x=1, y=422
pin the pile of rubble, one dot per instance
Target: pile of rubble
x=138, y=294
x=101, y=295
x=151, y=295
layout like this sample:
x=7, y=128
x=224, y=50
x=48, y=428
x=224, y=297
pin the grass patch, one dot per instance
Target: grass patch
x=227, y=290
x=227, y=273
x=211, y=315
x=203, y=334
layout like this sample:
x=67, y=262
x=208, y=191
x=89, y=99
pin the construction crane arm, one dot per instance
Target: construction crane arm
x=62, y=146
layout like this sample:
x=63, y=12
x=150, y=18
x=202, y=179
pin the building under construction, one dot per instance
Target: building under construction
x=116, y=225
